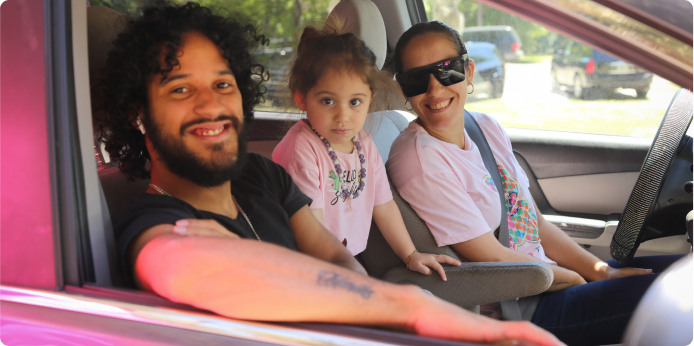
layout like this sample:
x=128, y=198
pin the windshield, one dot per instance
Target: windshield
x=552, y=82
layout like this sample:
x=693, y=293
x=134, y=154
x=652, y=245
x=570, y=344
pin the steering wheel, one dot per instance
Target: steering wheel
x=655, y=169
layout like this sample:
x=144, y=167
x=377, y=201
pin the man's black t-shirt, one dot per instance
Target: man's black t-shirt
x=265, y=191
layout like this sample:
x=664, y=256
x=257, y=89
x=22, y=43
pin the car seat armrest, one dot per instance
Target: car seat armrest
x=481, y=282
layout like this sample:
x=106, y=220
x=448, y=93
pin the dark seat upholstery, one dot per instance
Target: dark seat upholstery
x=117, y=189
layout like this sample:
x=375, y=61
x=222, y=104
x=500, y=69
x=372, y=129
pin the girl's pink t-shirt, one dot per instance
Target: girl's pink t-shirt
x=451, y=190
x=306, y=159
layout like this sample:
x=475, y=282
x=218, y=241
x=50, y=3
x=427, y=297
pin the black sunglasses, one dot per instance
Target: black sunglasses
x=448, y=72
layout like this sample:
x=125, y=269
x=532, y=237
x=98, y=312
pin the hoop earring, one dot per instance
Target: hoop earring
x=407, y=103
x=473, y=88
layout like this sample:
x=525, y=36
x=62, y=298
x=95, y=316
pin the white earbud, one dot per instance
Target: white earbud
x=140, y=126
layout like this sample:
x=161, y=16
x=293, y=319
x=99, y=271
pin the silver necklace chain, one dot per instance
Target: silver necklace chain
x=161, y=191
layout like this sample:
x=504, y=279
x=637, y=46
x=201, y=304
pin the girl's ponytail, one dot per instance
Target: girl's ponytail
x=307, y=34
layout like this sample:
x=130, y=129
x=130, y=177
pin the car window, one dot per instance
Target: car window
x=475, y=36
x=501, y=36
x=478, y=58
x=280, y=21
x=601, y=56
x=563, y=85
x=580, y=50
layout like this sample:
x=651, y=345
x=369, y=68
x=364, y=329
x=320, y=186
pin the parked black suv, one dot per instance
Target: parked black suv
x=584, y=70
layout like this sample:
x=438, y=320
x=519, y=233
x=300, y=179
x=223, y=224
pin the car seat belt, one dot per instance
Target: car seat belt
x=509, y=308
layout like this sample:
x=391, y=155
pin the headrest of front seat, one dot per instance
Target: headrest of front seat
x=104, y=25
x=362, y=18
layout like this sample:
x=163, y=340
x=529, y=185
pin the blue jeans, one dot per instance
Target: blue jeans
x=597, y=313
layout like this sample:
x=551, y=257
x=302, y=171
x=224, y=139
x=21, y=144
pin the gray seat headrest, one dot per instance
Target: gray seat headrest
x=388, y=126
x=362, y=18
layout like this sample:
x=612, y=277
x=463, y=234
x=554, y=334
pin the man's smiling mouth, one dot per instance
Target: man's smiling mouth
x=211, y=130
x=211, y=127
x=202, y=132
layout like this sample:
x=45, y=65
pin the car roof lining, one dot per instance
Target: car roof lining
x=666, y=18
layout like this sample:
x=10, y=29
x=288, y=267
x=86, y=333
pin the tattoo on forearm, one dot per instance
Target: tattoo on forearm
x=335, y=280
x=559, y=283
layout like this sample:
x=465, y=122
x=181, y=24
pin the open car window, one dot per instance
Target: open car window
x=279, y=21
x=552, y=82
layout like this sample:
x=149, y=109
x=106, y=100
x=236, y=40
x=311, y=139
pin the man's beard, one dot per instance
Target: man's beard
x=180, y=160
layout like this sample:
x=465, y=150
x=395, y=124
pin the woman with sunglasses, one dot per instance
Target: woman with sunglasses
x=440, y=172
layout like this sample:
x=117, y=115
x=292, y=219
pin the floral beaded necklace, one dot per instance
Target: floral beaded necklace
x=360, y=183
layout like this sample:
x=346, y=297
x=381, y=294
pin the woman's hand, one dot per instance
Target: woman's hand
x=608, y=272
x=425, y=262
x=205, y=228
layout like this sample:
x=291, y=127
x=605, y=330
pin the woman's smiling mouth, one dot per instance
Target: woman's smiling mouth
x=439, y=105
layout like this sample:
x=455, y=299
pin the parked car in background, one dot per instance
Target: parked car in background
x=587, y=71
x=503, y=36
x=490, y=68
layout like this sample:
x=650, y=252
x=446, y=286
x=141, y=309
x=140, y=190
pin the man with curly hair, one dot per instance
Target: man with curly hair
x=227, y=231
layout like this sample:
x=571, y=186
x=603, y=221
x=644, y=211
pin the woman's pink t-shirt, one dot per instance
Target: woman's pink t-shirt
x=306, y=159
x=451, y=190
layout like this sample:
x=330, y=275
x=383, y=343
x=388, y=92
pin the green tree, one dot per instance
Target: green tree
x=276, y=19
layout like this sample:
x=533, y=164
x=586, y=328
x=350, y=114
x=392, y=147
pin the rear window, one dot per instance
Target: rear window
x=580, y=50
x=475, y=36
x=477, y=57
x=279, y=21
x=501, y=37
x=599, y=56
x=480, y=53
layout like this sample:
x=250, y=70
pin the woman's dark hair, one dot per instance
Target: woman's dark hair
x=320, y=51
x=425, y=28
x=120, y=93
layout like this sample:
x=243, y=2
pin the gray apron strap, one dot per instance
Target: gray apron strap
x=509, y=308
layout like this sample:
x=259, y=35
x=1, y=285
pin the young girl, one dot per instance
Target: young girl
x=332, y=158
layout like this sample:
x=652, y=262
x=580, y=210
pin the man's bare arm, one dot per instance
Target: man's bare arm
x=247, y=279
x=313, y=239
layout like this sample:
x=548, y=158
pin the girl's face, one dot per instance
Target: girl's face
x=336, y=107
x=440, y=107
